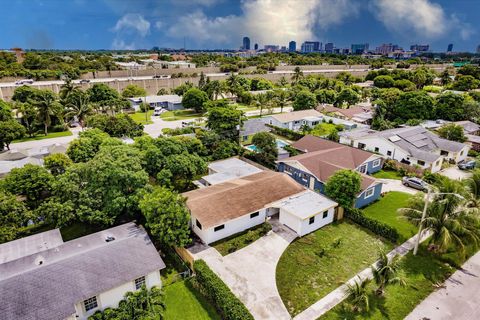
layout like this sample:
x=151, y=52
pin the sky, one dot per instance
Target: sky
x=214, y=24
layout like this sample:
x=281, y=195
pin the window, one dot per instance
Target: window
x=311, y=220
x=288, y=169
x=304, y=176
x=363, y=168
x=420, y=162
x=90, y=303
x=443, y=153
x=369, y=193
x=139, y=282
x=361, y=145
x=377, y=149
x=199, y=225
x=218, y=228
x=389, y=153
x=255, y=214
x=325, y=214
x=376, y=163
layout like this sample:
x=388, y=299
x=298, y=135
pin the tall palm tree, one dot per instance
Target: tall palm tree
x=281, y=98
x=357, y=294
x=66, y=89
x=232, y=84
x=47, y=106
x=78, y=107
x=473, y=186
x=386, y=272
x=297, y=75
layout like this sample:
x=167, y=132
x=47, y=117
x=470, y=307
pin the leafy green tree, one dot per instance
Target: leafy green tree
x=387, y=272
x=333, y=135
x=357, y=295
x=162, y=91
x=56, y=213
x=267, y=151
x=384, y=82
x=13, y=216
x=78, y=106
x=133, y=90
x=304, y=100
x=28, y=115
x=405, y=85
x=101, y=92
x=32, y=181
x=184, y=87
x=343, y=187
x=465, y=83
x=194, y=99
x=446, y=77
x=57, y=163
x=225, y=121
x=5, y=111
x=450, y=106
x=47, y=106
x=25, y=94
x=183, y=168
x=261, y=84
x=413, y=105
x=9, y=131
x=81, y=150
x=452, y=132
x=326, y=96
x=119, y=125
x=348, y=96
x=167, y=216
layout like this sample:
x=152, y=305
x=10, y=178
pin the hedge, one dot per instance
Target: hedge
x=215, y=290
x=287, y=133
x=375, y=226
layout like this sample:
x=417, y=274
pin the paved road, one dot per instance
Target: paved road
x=458, y=300
x=45, y=142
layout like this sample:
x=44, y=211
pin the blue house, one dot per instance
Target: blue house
x=322, y=158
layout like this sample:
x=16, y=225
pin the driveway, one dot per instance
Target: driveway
x=396, y=185
x=455, y=173
x=458, y=300
x=155, y=129
x=250, y=272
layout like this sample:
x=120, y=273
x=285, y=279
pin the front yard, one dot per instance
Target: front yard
x=387, y=174
x=385, y=210
x=180, y=115
x=142, y=118
x=240, y=240
x=320, y=262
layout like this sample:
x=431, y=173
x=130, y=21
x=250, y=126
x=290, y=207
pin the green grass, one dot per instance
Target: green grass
x=240, y=240
x=385, y=210
x=420, y=272
x=180, y=115
x=322, y=129
x=139, y=117
x=304, y=275
x=48, y=136
x=387, y=174
x=184, y=302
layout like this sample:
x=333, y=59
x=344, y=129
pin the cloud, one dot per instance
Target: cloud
x=265, y=21
x=119, y=44
x=133, y=22
x=423, y=17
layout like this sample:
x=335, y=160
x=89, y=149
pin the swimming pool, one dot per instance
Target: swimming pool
x=280, y=144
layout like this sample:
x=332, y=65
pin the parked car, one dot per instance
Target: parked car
x=24, y=81
x=157, y=76
x=415, y=183
x=84, y=81
x=467, y=165
x=158, y=111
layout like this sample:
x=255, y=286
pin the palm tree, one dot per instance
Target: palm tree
x=66, y=89
x=281, y=98
x=297, y=75
x=233, y=84
x=386, y=272
x=78, y=107
x=47, y=106
x=28, y=114
x=473, y=186
x=357, y=294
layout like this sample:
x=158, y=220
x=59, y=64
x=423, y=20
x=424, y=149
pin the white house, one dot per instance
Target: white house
x=42, y=277
x=230, y=207
x=411, y=145
x=167, y=101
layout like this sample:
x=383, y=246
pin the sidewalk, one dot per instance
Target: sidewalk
x=338, y=295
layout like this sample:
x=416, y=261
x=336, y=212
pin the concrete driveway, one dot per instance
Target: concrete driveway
x=455, y=173
x=155, y=129
x=396, y=185
x=458, y=300
x=250, y=272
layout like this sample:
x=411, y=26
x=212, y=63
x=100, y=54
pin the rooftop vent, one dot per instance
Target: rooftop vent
x=109, y=238
x=39, y=260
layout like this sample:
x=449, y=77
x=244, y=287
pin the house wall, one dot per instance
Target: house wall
x=319, y=222
x=297, y=175
x=174, y=106
x=274, y=122
x=231, y=227
x=371, y=168
x=362, y=201
x=112, y=297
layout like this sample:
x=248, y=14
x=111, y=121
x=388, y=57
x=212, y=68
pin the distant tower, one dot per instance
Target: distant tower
x=478, y=49
x=256, y=46
x=246, y=43
x=450, y=47
x=292, y=46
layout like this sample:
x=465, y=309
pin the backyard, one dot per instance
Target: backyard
x=385, y=210
x=387, y=174
x=323, y=129
x=320, y=262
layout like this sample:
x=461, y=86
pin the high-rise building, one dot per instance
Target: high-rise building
x=311, y=46
x=271, y=48
x=329, y=47
x=359, y=48
x=246, y=43
x=292, y=46
x=450, y=47
x=256, y=46
x=478, y=49
x=420, y=47
x=386, y=48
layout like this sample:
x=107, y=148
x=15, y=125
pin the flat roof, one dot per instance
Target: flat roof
x=306, y=204
x=228, y=169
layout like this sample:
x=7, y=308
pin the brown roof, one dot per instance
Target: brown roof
x=223, y=202
x=348, y=113
x=324, y=158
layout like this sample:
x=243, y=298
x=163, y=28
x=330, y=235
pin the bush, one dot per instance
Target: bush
x=375, y=226
x=215, y=290
x=287, y=133
x=57, y=128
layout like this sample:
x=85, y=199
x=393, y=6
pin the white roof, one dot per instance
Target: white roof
x=306, y=204
x=173, y=98
x=229, y=169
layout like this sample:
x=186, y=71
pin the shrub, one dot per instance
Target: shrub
x=375, y=226
x=266, y=227
x=215, y=290
x=287, y=133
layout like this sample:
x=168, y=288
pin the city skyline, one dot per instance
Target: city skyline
x=221, y=24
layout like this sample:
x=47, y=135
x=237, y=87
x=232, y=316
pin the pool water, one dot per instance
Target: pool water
x=280, y=144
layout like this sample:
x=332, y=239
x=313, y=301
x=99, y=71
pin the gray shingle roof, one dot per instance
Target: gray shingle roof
x=253, y=126
x=73, y=272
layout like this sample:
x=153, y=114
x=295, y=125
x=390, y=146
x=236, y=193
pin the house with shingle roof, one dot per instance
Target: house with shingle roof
x=44, y=278
x=414, y=146
x=322, y=158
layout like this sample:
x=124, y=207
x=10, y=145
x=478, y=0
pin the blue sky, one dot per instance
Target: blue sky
x=133, y=24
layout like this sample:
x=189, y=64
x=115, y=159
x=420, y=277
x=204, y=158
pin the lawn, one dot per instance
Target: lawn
x=184, y=302
x=421, y=273
x=385, y=210
x=318, y=263
x=48, y=136
x=180, y=115
x=240, y=240
x=387, y=174
x=322, y=129
x=139, y=117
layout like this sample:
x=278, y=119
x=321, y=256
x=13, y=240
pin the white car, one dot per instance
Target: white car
x=24, y=81
x=158, y=111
